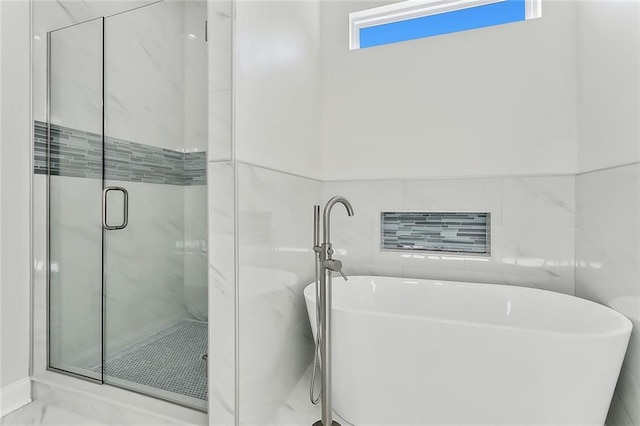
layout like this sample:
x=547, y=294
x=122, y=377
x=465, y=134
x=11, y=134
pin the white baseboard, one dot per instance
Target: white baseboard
x=14, y=396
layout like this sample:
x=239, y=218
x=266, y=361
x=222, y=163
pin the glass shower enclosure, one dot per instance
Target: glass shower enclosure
x=127, y=132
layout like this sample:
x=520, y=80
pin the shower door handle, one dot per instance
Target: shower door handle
x=125, y=220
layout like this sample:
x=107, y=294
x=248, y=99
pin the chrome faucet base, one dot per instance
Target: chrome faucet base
x=333, y=423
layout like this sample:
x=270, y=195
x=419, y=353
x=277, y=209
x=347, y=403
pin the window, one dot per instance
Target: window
x=412, y=19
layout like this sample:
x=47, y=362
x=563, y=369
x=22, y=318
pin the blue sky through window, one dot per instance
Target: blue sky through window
x=444, y=23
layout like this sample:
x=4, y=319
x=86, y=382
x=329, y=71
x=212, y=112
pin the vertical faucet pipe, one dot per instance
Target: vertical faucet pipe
x=325, y=348
x=326, y=303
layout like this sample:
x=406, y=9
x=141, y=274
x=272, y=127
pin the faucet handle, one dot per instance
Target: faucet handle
x=335, y=265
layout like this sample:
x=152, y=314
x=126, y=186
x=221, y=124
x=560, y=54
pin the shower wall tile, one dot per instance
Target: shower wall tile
x=144, y=264
x=76, y=76
x=220, y=17
x=222, y=293
x=143, y=267
x=195, y=168
x=40, y=270
x=455, y=195
x=195, y=251
x=275, y=264
x=220, y=35
x=75, y=294
x=145, y=74
x=608, y=266
x=77, y=153
x=538, y=201
x=195, y=70
x=48, y=16
x=535, y=253
x=220, y=138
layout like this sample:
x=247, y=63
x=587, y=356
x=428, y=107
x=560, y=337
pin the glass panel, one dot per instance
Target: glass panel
x=75, y=185
x=155, y=267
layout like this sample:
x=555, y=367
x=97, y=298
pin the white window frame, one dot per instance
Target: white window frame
x=410, y=9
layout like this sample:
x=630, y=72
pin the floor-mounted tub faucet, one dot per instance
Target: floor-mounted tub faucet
x=325, y=265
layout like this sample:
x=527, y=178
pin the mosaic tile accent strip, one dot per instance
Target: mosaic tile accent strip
x=195, y=168
x=449, y=232
x=170, y=359
x=77, y=153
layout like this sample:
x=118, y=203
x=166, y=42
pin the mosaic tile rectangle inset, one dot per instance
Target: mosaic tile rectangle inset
x=76, y=153
x=449, y=232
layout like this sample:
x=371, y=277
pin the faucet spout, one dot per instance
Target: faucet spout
x=326, y=216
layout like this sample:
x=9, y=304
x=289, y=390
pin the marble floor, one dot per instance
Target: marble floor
x=52, y=412
x=54, y=408
x=297, y=410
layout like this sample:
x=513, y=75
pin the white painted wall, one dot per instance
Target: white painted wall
x=493, y=101
x=15, y=140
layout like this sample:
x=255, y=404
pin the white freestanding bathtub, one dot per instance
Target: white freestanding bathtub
x=422, y=352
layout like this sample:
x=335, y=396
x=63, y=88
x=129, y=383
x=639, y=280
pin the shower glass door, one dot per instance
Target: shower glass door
x=127, y=201
x=75, y=183
x=152, y=344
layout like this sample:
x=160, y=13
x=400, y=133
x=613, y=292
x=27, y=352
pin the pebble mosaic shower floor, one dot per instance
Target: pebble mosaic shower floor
x=170, y=359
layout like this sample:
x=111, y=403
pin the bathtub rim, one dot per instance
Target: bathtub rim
x=625, y=328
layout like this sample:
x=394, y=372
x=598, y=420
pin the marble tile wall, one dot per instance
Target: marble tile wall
x=221, y=180
x=532, y=229
x=195, y=250
x=143, y=268
x=144, y=75
x=75, y=289
x=222, y=293
x=608, y=265
x=195, y=140
x=144, y=265
x=195, y=64
x=275, y=218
